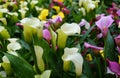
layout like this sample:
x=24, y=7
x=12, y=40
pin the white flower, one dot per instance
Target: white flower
x=31, y=26
x=71, y=54
x=45, y=74
x=32, y=22
x=39, y=54
x=70, y=29
x=5, y=59
x=13, y=45
x=84, y=22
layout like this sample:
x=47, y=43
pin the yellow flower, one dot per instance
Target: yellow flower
x=57, y=8
x=102, y=54
x=43, y=14
x=61, y=14
x=89, y=57
x=119, y=58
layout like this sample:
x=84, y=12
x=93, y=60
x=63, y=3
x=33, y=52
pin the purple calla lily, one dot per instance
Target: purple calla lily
x=114, y=67
x=94, y=48
x=104, y=23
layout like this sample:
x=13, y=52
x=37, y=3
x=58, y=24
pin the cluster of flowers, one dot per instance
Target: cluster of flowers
x=59, y=39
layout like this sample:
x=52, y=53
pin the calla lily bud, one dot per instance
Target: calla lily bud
x=4, y=33
x=30, y=27
x=70, y=29
x=54, y=38
x=39, y=54
x=117, y=40
x=62, y=38
x=71, y=54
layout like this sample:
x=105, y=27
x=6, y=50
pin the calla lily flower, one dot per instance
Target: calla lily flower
x=71, y=54
x=114, y=67
x=70, y=29
x=62, y=38
x=104, y=23
x=94, y=48
x=54, y=21
x=39, y=54
x=4, y=33
x=45, y=74
x=4, y=21
x=46, y=35
x=84, y=23
x=117, y=41
x=31, y=26
x=13, y=45
x=44, y=13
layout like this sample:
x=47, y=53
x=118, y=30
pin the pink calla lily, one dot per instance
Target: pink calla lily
x=104, y=23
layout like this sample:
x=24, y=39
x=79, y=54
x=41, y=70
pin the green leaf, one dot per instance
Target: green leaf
x=87, y=70
x=21, y=68
x=86, y=34
x=109, y=48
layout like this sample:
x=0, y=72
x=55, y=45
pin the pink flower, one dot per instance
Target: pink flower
x=58, y=19
x=117, y=40
x=94, y=48
x=114, y=67
x=118, y=12
x=46, y=35
x=65, y=10
x=54, y=21
x=104, y=23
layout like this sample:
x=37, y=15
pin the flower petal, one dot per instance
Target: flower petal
x=105, y=21
x=114, y=67
x=70, y=29
x=39, y=54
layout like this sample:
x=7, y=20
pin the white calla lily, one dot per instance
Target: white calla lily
x=71, y=54
x=39, y=54
x=31, y=26
x=70, y=29
x=5, y=59
x=32, y=22
x=45, y=74
x=13, y=45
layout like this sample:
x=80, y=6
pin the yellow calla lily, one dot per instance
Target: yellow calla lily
x=43, y=14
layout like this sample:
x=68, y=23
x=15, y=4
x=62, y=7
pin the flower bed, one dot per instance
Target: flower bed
x=59, y=39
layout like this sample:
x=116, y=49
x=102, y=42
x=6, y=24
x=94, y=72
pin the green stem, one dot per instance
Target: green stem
x=99, y=68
